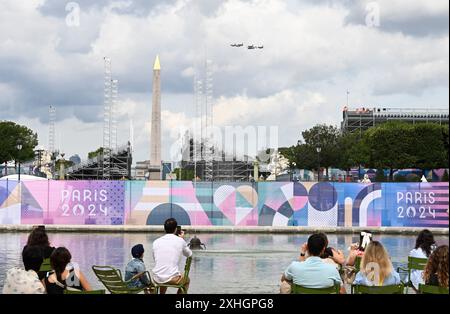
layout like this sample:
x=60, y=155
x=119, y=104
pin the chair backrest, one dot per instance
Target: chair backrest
x=296, y=289
x=358, y=263
x=187, y=267
x=394, y=289
x=111, y=279
x=45, y=266
x=84, y=292
x=417, y=263
x=427, y=289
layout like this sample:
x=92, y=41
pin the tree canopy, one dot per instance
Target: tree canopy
x=392, y=145
x=12, y=134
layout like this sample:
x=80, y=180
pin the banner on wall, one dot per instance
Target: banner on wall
x=73, y=202
x=225, y=204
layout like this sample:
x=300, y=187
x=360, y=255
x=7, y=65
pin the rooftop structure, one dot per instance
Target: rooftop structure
x=360, y=119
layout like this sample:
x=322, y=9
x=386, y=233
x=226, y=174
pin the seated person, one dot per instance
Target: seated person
x=313, y=272
x=376, y=267
x=330, y=255
x=167, y=252
x=65, y=275
x=38, y=237
x=136, y=268
x=25, y=281
x=436, y=270
x=424, y=247
x=365, y=237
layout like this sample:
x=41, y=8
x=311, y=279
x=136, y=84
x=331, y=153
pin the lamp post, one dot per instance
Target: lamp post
x=318, y=149
x=19, y=148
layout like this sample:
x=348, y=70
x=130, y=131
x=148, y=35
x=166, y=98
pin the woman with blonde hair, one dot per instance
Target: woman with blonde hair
x=376, y=267
x=436, y=270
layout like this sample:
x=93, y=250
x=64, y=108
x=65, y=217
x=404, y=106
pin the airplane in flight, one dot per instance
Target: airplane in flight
x=260, y=47
x=252, y=47
x=237, y=45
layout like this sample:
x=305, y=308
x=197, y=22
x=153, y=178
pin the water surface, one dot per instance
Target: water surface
x=232, y=263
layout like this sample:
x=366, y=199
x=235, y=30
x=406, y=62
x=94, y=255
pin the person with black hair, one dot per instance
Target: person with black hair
x=424, y=247
x=65, y=275
x=38, y=237
x=20, y=281
x=167, y=252
x=313, y=272
x=136, y=270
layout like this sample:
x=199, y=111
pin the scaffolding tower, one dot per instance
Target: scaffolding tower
x=111, y=90
x=208, y=140
x=114, y=101
x=51, y=128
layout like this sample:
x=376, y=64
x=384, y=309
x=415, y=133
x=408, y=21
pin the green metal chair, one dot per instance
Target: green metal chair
x=394, y=289
x=111, y=278
x=84, y=292
x=427, y=289
x=414, y=263
x=358, y=263
x=182, y=286
x=45, y=266
x=296, y=289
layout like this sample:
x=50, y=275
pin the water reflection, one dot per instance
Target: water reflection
x=232, y=263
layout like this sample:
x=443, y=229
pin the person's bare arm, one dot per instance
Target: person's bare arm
x=283, y=278
x=84, y=283
x=338, y=257
x=351, y=258
x=303, y=251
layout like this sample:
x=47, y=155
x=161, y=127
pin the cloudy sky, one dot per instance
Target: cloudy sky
x=314, y=50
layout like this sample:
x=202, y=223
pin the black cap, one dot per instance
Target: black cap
x=137, y=250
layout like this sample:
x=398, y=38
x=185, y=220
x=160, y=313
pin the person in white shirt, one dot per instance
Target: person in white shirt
x=25, y=281
x=167, y=252
x=424, y=247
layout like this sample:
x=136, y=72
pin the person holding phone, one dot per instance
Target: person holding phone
x=167, y=253
x=357, y=249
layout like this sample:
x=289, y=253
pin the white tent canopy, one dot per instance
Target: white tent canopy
x=23, y=177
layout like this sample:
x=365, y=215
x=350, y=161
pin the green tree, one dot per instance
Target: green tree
x=11, y=134
x=353, y=151
x=94, y=154
x=390, y=146
x=186, y=174
x=327, y=138
x=429, y=147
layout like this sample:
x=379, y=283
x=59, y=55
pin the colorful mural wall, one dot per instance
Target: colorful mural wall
x=225, y=204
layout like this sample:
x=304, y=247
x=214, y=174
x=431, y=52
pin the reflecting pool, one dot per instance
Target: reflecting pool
x=232, y=263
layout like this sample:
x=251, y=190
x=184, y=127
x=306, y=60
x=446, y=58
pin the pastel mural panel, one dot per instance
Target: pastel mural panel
x=323, y=204
x=10, y=203
x=73, y=202
x=416, y=205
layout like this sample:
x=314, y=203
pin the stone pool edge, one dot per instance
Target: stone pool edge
x=224, y=229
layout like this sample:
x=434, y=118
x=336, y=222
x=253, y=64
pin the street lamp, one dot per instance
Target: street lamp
x=19, y=148
x=318, y=149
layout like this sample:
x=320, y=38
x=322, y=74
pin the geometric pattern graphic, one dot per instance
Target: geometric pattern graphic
x=225, y=204
x=10, y=203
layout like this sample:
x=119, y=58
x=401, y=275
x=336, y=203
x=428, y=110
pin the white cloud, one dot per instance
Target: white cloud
x=311, y=56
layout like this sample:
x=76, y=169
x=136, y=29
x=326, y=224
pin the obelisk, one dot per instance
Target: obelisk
x=155, y=139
